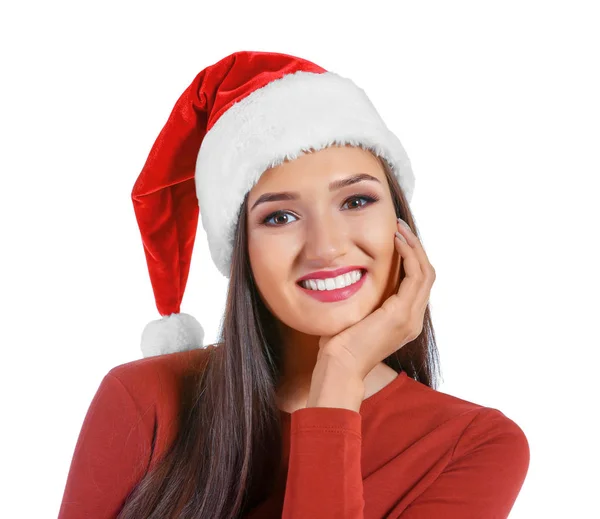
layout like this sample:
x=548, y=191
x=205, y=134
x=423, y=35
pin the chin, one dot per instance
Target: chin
x=327, y=325
x=327, y=319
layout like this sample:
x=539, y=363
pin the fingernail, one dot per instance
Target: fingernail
x=401, y=237
x=405, y=224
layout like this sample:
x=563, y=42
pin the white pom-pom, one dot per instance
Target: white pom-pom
x=170, y=334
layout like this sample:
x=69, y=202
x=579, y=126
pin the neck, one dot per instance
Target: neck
x=299, y=359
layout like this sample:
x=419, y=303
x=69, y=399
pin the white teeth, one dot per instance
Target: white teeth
x=333, y=283
x=348, y=278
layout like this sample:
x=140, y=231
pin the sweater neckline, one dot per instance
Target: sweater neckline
x=370, y=403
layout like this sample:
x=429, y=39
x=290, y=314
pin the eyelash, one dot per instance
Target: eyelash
x=370, y=200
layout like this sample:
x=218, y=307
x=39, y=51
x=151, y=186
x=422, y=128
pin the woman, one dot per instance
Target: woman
x=319, y=399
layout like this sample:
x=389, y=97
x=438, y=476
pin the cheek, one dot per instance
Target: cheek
x=271, y=262
x=378, y=222
x=376, y=234
x=378, y=243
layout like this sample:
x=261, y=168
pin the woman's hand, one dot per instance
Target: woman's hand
x=395, y=323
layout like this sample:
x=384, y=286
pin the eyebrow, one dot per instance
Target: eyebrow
x=334, y=186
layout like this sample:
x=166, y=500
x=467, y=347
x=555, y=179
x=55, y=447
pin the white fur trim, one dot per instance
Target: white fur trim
x=280, y=121
x=170, y=334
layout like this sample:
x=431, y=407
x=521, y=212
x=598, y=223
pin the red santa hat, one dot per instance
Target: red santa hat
x=248, y=112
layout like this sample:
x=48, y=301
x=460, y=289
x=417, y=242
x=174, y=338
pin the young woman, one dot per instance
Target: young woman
x=319, y=399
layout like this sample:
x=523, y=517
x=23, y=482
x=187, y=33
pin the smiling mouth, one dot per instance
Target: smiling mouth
x=363, y=273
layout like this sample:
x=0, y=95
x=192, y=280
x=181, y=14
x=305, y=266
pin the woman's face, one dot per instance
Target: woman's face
x=322, y=229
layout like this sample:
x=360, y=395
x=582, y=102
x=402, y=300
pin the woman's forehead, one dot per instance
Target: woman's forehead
x=318, y=168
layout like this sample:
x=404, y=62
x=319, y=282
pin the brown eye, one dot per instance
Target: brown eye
x=355, y=199
x=369, y=200
x=277, y=214
x=281, y=214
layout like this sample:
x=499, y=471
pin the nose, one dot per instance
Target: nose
x=325, y=240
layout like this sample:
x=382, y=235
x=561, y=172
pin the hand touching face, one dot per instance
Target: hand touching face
x=397, y=322
x=316, y=228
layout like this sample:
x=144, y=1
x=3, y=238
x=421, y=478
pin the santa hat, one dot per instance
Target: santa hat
x=239, y=117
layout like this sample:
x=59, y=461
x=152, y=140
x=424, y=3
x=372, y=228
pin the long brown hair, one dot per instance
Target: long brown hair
x=227, y=454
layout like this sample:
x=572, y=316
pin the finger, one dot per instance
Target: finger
x=410, y=286
x=417, y=246
x=420, y=292
x=407, y=311
x=426, y=267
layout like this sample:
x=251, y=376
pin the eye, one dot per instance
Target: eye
x=369, y=199
x=275, y=215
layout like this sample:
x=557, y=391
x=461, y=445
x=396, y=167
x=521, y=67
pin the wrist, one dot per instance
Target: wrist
x=334, y=385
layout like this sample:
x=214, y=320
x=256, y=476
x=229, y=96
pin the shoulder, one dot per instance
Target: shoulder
x=149, y=377
x=153, y=387
x=129, y=424
x=473, y=424
x=437, y=402
x=501, y=436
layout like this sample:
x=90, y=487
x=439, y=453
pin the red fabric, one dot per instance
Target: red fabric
x=411, y=452
x=164, y=194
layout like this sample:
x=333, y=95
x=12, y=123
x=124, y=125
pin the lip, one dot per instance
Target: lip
x=323, y=274
x=339, y=294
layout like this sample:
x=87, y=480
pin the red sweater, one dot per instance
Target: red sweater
x=411, y=452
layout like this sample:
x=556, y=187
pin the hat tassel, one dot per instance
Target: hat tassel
x=170, y=334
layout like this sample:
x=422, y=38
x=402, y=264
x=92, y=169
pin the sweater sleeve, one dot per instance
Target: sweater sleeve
x=485, y=474
x=111, y=455
x=324, y=477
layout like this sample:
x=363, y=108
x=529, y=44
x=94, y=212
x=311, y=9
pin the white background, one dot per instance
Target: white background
x=497, y=106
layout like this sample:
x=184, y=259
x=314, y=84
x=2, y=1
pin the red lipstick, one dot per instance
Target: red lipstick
x=338, y=294
x=323, y=274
